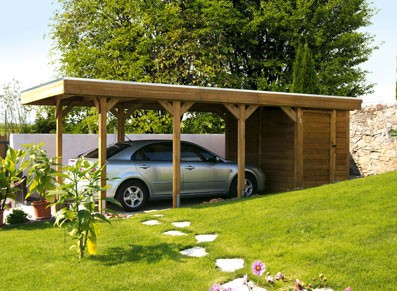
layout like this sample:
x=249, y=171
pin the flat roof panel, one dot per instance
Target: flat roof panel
x=77, y=89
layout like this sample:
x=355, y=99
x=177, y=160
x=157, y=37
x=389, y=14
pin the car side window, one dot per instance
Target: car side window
x=154, y=152
x=191, y=153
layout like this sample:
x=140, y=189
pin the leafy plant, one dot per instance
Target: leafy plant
x=11, y=168
x=17, y=216
x=393, y=132
x=78, y=197
x=42, y=172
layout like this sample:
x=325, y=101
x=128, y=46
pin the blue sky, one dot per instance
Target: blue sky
x=24, y=49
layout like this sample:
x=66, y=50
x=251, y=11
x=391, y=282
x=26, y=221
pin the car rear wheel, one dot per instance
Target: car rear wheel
x=132, y=195
x=249, y=186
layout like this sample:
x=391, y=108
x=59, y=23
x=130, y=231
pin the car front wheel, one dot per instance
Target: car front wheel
x=249, y=186
x=132, y=195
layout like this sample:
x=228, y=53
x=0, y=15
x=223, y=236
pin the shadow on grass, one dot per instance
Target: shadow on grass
x=139, y=253
x=33, y=225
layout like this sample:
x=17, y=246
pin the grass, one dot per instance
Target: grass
x=347, y=231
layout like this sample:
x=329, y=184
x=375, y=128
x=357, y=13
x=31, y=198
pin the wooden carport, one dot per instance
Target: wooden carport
x=122, y=98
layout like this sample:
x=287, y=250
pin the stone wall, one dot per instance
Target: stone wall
x=373, y=148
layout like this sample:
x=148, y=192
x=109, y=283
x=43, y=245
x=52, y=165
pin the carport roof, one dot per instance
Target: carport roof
x=83, y=92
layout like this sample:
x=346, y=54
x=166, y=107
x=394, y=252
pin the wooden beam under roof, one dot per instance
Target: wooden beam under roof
x=85, y=89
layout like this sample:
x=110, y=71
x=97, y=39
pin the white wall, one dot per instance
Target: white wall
x=75, y=144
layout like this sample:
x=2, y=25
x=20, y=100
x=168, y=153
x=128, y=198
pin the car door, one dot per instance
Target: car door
x=202, y=171
x=154, y=163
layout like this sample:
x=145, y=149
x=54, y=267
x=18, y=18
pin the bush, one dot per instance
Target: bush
x=17, y=216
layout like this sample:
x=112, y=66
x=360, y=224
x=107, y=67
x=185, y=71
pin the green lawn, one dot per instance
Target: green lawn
x=347, y=231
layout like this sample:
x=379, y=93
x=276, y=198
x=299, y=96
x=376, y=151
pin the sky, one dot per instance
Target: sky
x=25, y=46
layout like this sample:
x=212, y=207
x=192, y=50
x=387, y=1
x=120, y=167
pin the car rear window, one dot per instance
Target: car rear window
x=110, y=151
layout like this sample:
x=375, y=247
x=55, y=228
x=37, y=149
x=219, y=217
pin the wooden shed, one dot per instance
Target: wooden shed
x=303, y=148
x=299, y=140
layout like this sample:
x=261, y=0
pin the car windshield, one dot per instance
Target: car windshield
x=110, y=151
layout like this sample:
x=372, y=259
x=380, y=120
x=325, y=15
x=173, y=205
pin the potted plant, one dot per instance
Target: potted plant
x=11, y=168
x=41, y=179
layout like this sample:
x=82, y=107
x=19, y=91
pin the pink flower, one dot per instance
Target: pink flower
x=258, y=268
x=216, y=287
x=245, y=278
x=270, y=279
x=279, y=276
x=298, y=284
x=348, y=289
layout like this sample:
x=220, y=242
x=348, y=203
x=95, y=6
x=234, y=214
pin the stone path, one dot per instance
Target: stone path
x=225, y=265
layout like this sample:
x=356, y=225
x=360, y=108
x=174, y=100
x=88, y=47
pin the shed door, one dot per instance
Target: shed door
x=316, y=147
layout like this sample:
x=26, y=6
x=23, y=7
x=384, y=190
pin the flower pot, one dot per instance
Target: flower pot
x=1, y=217
x=40, y=209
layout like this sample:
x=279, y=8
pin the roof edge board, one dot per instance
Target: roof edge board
x=151, y=91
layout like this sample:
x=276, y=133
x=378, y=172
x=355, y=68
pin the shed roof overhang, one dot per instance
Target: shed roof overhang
x=82, y=92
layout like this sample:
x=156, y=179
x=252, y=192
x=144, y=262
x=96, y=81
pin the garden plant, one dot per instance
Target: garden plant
x=11, y=168
x=77, y=199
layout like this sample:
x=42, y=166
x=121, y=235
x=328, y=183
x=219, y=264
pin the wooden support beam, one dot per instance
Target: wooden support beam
x=102, y=150
x=58, y=138
x=347, y=144
x=241, y=151
x=332, y=166
x=298, y=175
x=233, y=110
x=241, y=112
x=112, y=102
x=121, y=119
x=250, y=110
x=167, y=106
x=176, y=109
x=185, y=107
x=176, y=154
x=290, y=112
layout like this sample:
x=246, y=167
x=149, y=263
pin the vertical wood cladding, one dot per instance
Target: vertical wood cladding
x=271, y=144
x=316, y=147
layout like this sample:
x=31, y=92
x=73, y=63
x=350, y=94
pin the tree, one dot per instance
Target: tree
x=202, y=122
x=304, y=73
x=15, y=115
x=249, y=44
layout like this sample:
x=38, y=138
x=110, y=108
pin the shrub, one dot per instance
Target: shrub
x=17, y=216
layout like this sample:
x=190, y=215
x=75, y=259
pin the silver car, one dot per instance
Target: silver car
x=141, y=170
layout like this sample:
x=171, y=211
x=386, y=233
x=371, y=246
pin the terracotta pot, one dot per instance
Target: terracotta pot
x=1, y=217
x=40, y=209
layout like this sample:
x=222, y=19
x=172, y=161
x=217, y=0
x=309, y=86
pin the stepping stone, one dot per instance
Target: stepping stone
x=229, y=265
x=239, y=284
x=206, y=237
x=194, y=252
x=151, y=222
x=181, y=224
x=158, y=215
x=174, y=233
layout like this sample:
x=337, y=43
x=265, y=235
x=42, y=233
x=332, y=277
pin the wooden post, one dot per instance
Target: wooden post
x=176, y=154
x=176, y=109
x=121, y=125
x=102, y=111
x=241, y=151
x=241, y=113
x=58, y=138
x=347, y=169
x=299, y=149
x=332, y=159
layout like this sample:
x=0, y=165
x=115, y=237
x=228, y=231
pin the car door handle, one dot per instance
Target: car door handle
x=144, y=166
x=189, y=168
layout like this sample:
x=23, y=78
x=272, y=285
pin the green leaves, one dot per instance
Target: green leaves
x=11, y=168
x=78, y=195
x=241, y=44
x=41, y=171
